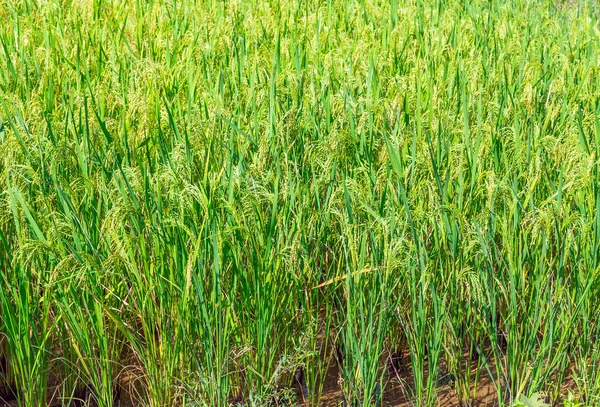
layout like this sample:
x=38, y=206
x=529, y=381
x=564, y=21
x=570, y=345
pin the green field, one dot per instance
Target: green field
x=299, y=203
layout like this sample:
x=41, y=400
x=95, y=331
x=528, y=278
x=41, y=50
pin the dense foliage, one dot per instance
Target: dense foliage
x=225, y=200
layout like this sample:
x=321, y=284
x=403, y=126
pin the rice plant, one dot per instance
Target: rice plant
x=299, y=202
